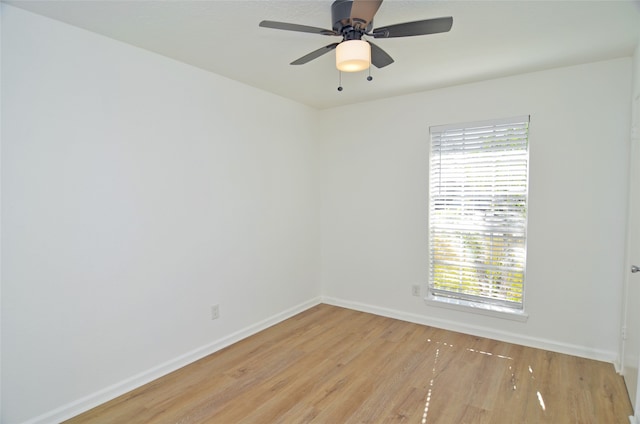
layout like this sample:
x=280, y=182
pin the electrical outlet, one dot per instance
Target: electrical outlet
x=215, y=312
x=415, y=290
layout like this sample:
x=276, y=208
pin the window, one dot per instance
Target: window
x=478, y=212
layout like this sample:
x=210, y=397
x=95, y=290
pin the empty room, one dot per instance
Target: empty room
x=311, y=211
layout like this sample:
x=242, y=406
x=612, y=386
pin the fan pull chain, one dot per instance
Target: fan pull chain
x=369, y=78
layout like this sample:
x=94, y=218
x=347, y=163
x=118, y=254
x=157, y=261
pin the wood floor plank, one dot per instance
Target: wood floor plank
x=334, y=365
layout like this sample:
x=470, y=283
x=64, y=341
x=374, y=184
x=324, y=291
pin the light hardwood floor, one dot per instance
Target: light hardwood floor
x=334, y=365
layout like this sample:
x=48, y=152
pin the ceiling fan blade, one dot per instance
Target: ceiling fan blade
x=314, y=54
x=295, y=27
x=408, y=29
x=363, y=11
x=379, y=58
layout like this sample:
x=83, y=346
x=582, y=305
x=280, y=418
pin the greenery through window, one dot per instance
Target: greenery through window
x=478, y=185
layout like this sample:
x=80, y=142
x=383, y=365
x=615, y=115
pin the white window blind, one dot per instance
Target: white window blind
x=478, y=211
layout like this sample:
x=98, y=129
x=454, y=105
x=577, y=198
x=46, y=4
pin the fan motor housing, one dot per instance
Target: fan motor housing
x=341, y=17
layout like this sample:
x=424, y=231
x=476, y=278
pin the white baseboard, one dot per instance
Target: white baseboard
x=108, y=393
x=633, y=420
x=617, y=365
x=554, y=346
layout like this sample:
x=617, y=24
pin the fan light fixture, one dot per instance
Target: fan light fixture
x=353, y=56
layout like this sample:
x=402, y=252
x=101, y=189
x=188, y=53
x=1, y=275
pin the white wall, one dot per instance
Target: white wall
x=375, y=203
x=636, y=71
x=136, y=193
x=0, y=219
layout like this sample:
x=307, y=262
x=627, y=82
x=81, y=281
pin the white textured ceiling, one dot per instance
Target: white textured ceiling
x=488, y=39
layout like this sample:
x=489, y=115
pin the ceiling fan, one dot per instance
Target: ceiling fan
x=352, y=20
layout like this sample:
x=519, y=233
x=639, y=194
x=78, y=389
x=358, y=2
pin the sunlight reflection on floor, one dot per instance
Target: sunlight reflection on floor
x=439, y=352
x=541, y=402
x=433, y=376
x=426, y=406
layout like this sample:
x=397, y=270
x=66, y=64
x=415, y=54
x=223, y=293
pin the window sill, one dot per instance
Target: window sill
x=476, y=308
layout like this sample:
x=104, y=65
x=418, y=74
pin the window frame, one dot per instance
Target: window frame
x=462, y=301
